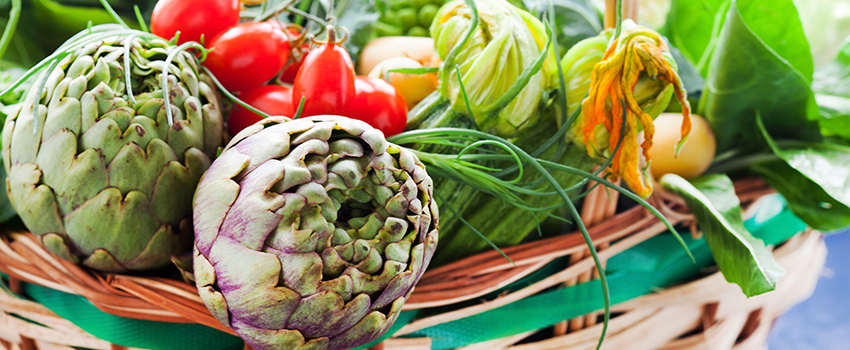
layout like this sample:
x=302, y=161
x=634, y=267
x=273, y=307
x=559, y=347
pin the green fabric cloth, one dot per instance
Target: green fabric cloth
x=656, y=263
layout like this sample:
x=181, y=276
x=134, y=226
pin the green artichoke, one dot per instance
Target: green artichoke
x=105, y=179
x=311, y=234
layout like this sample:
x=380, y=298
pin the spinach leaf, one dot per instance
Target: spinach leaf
x=813, y=177
x=806, y=198
x=358, y=16
x=693, y=27
x=692, y=81
x=742, y=258
x=756, y=68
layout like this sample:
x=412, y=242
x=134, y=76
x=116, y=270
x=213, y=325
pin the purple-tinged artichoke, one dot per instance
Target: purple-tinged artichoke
x=311, y=234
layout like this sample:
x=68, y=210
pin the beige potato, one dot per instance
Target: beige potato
x=414, y=87
x=695, y=156
x=418, y=48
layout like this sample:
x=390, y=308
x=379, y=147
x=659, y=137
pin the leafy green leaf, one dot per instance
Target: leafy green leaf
x=834, y=112
x=765, y=17
x=576, y=19
x=805, y=198
x=358, y=16
x=756, y=68
x=692, y=81
x=743, y=259
x=693, y=26
x=814, y=178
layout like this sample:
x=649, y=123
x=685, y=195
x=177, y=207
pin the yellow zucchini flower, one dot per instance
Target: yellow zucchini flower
x=637, y=62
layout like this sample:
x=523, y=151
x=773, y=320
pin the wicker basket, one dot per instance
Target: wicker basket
x=705, y=313
x=709, y=313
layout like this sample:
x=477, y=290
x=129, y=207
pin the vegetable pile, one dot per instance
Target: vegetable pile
x=348, y=125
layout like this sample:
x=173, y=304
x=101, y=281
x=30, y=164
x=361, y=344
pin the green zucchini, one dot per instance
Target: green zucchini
x=502, y=224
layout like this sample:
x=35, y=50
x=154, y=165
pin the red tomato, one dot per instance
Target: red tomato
x=325, y=80
x=247, y=55
x=378, y=103
x=193, y=18
x=275, y=100
x=290, y=72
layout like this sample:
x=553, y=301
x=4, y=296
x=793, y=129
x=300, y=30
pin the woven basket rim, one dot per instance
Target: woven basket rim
x=22, y=257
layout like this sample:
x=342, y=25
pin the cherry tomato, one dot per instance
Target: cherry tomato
x=290, y=72
x=325, y=80
x=291, y=69
x=247, y=55
x=275, y=100
x=378, y=103
x=193, y=18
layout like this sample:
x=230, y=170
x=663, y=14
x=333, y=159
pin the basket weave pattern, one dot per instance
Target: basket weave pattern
x=713, y=312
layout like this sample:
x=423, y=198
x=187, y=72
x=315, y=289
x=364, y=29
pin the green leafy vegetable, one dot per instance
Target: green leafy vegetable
x=358, y=16
x=742, y=258
x=814, y=178
x=805, y=198
x=692, y=81
x=693, y=26
x=757, y=68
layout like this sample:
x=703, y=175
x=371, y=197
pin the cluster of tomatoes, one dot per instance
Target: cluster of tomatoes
x=247, y=55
